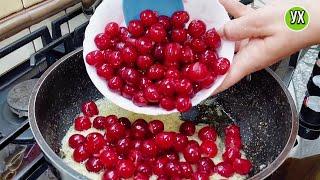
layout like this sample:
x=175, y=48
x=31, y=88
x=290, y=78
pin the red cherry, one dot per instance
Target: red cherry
x=112, y=29
x=95, y=141
x=222, y=66
x=105, y=71
x=192, y=153
x=232, y=130
x=136, y=144
x=115, y=131
x=152, y=94
x=125, y=168
x=140, y=176
x=207, y=133
x=193, y=143
x=197, y=28
x=139, y=129
x=224, y=169
x=184, y=87
x=115, y=84
x=76, y=140
x=159, y=52
x=125, y=122
x=196, y=87
x=165, y=140
x=149, y=148
x=82, y=123
x=198, y=72
x=179, y=18
x=123, y=145
x=185, y=71
x=172, y=156
x=157, y=33
x=144, y=168
x=135, y=27
x=167, y=103
x=181, y=141
x=212, y=39
x=165, y=21
x=172, y=73
x=209, y=58
x=173, y=169
x=128, y=91
x=106, y=54
x=110, y=120
x=209, y=148
x=200, y=176
x=242, y=166
x=94, y=165
x=183, y=104
x=108, y=157
x=144, y=46
x=207, y=82
x=159, y=166
x=186, y=170
x=89, y=109
x=198, y=45
x=95, y=58
x=110, y=175
x=124, y=34
x=233, y=142
x=167, y=87
x=81, y=153
x=131, y=76
x=115, y=59
x=139, y=100
x=144, y=62
x=129, y=54
x=187, y=128
x=156, y=126
x=103, y=41
x=172, y=52
x=156, y=72
x=144, y=83
x=148, y=17
x=231, y=154
x=187, y=56
x=179, y=35
x=135, y=156
x=205, y=165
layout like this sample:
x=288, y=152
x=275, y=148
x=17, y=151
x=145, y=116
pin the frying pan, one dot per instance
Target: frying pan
x=262, y=107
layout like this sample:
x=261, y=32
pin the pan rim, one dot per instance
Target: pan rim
x=62, y=166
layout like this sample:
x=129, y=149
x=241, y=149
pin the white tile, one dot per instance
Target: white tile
x=17, y=57
x=47, y=22
x=78, y=20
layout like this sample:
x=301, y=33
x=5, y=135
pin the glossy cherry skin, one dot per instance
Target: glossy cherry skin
x=156, y=72
x=148, y=17
x=165, y=140
x=144, y=45
x=187, y=128
x=158, y=53
x=103, y=41
x=115, y=84
x=179, y=35
x=167, y=103
x=172, y=52
x=139, y=100
x=112, y=29
x=181, y=141
x=108, y=157
x=76, y=140
x=125, y=122
x=152, y=94
x=198, y=72
x=206, y=165
x=115, y=59
x=144, y=168
x=200, y=176
x=179, y=19
x=173, y=169
x=156, y=126
x=129, y=55
x=209, y=58
x=198, y=45
x=139, y=129
x=232, y=130
x=188, y=55
x=168, y=87
x=183, y=104
x=242, y=166
x=136, y=28
x=95, y=58
x=157, y=33
x=89, y=109
x=149, y=148
x=196, y=28
x=94, y=165
x=125, y=168
x=186, y=170
x=172, y=73
x=212, y=39
x=81, y=153
x=110, y=175
x=222, y=66
x=95, y=141
x=165, y=21
x=209, y=148
x=224, y=169
x=231, y=154
x=208, y=81
x=128, y=91
x=184, y=87
x=82, y=123
x=115, y=131
x=207, y=133
x=105, y=71
x=192, y=153
x=131, y=76
x=144, y=62
x=233, y=142
x=159, y=166
x=144, y=82
x=110, y=120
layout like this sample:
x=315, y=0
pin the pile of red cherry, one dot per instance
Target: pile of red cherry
x=142, y=149
x=157, y=61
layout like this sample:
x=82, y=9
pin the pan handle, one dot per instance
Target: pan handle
x=89, y=6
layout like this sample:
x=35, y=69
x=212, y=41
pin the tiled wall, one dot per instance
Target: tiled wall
x=10, y=61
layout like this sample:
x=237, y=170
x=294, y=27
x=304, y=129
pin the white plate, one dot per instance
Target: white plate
x=210, y=11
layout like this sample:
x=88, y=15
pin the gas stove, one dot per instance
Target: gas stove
x=21, y=158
